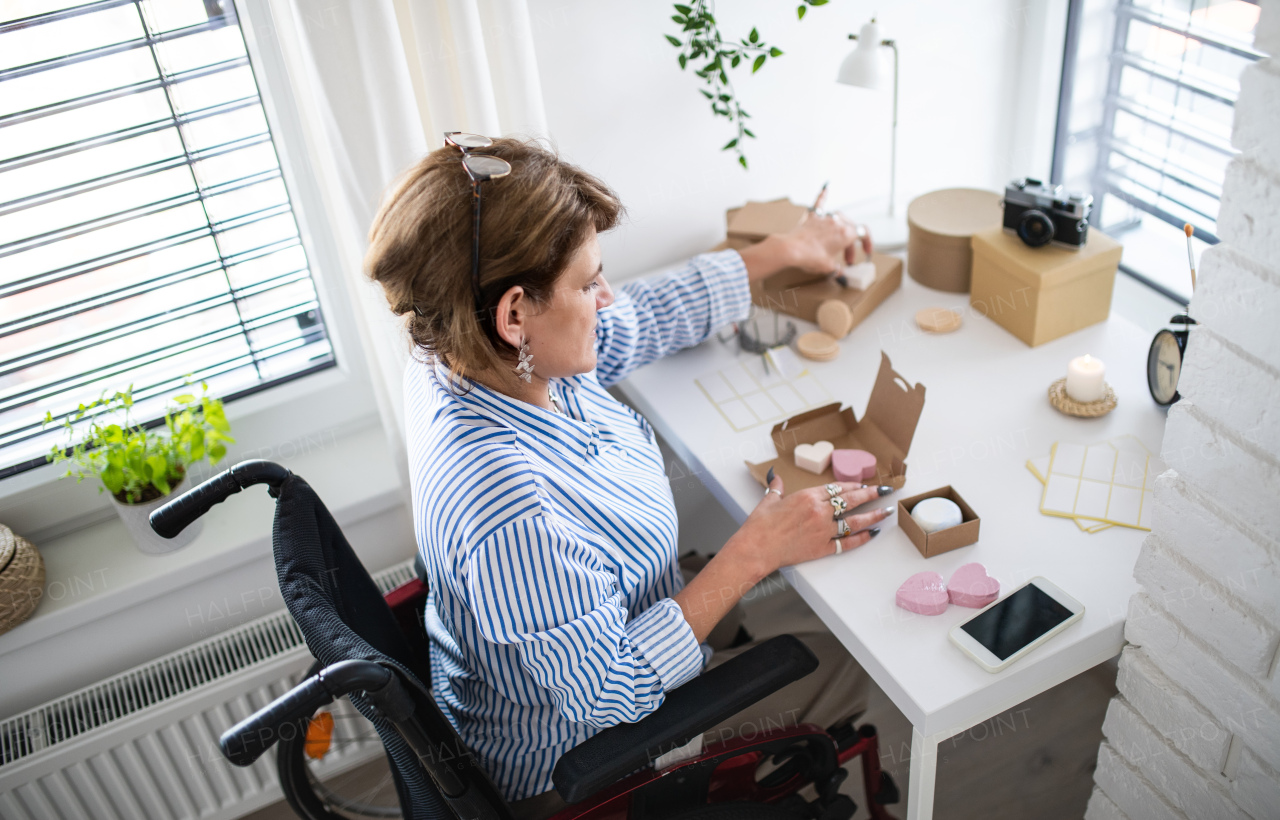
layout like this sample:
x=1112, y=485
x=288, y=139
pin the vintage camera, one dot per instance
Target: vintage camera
x=1040, y=214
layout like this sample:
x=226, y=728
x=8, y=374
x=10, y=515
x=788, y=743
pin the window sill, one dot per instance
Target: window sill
x=107, y=605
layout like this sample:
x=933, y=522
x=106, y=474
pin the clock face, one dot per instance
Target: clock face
x=1164, y=365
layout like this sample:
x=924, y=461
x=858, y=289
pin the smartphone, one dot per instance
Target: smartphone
x=1016, y=624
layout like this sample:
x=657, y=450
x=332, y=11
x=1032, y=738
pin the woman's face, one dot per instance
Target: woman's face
x=562, y=333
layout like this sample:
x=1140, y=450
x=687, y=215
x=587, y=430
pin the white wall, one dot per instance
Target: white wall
x=618, y=104
x=1195, y=730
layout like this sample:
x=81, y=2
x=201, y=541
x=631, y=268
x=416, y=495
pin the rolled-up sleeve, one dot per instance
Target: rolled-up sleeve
x=532, y=585
x=654, y=317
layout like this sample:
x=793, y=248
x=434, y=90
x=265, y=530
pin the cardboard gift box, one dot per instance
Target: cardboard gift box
x=885, y=431
x=796, y=292
x=936, y=543
x=940, y=227
x=1039, y=294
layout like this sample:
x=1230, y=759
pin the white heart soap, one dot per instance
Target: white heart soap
x=816, y=457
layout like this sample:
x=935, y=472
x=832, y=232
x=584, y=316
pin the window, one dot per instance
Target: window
x=146, y=232
x=1144, y=122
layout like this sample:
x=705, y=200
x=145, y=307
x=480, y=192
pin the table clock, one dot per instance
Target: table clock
x=1164, y=360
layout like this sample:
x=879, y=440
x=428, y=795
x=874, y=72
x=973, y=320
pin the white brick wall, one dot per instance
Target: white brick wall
x=1195, y=730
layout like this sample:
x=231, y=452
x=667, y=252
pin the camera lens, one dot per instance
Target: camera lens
x=1035, y=228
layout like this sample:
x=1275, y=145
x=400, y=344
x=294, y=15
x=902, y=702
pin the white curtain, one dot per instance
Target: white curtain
x=377, y=83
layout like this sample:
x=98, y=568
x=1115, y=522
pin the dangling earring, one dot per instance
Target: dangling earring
x=525, y=368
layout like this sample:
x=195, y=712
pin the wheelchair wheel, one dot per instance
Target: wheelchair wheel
x=333, y=767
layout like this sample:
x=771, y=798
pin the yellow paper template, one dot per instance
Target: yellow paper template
x=747, y=395
x=1109, y=482
x=1039, y=466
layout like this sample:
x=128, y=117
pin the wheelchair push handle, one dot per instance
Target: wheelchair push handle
x=245, y=742
x=173, y=518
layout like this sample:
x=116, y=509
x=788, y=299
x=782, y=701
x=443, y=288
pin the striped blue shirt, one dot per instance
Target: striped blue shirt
x=550, y=539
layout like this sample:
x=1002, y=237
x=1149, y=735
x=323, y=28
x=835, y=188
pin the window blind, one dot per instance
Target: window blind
x=146, y=231
x=1154, y=85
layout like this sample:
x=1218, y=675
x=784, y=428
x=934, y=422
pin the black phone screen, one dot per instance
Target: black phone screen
x=1016, y=621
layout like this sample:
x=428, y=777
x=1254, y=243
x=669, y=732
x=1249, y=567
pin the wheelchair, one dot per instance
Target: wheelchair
x=372, y=650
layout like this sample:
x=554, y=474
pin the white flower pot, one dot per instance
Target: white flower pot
x=136, y=520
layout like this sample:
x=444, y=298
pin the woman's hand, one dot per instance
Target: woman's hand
x=790, y=528
x=782, y=530
x=819, y=245
x=822, y=244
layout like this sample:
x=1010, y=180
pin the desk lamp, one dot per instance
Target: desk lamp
x=862, y=68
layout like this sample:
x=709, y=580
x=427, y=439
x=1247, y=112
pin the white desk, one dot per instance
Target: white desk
x=986, y=412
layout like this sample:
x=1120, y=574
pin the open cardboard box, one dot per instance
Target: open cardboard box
x=936, y=543
x=796, y=292
x=885, y=431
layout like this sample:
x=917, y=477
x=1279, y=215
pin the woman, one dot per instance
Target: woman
x=541, y=506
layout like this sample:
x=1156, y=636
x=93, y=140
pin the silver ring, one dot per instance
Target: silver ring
x=833, y=489
x=842, y=528
x=839, y=505
x=773, y=490
x=839, y=547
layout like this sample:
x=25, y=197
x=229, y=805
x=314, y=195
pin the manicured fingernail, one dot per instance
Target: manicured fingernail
x=768, y=479
x=873, y=532
x=884, y=489
x=888, y=511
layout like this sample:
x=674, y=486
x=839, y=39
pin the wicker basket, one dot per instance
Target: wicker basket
x=21, y=579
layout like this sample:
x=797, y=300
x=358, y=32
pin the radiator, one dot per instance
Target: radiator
x=143, y=745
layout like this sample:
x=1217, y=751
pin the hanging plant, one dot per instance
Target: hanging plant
x=700, y=39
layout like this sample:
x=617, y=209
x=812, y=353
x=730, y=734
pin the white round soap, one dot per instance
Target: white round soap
x=935, y=514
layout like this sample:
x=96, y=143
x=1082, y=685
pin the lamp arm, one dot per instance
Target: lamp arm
x=893, y=146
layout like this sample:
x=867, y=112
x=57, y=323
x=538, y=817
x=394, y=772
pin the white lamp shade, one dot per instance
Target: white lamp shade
x=862, y=67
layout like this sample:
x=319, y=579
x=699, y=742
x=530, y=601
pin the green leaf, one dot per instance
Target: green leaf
x=675, y=41
x=816, y=2
x=729, y=144
x=754, y=36
x=159, y=467
x=742, y=161
x=216, y=452
x=680, y=18
x=724, y=78
x=734, y=62
x=683, y=61
x=706, y=93
x=684, y=9
x=185, y=398
x=756, y=65
x=800, y=10
x=775, y=52
x=113, y=479
x=747, y=131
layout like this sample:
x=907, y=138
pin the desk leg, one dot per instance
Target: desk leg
x=924, y=772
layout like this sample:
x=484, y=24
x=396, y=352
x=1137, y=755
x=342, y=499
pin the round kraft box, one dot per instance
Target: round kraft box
x=940, y=225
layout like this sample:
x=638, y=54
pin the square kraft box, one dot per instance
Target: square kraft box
x=885, y=431
x=936, y=543
x=1039, y=294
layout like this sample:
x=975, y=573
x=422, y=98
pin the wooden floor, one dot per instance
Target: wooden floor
x=1034, y=761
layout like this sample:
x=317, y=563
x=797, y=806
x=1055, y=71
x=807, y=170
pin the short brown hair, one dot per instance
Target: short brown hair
x=531, y=223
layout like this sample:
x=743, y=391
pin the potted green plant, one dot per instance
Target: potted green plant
x=144, y=468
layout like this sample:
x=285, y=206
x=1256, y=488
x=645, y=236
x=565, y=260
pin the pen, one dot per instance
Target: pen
x=817, y=202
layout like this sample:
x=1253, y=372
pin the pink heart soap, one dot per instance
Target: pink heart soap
x=925, y=593
x=853, y=465
x=971, y=586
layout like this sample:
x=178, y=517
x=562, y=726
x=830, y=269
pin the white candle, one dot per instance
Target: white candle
x=1084, y=379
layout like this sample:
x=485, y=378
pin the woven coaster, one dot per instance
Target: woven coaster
x=1083, y=409
x=21, y=579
